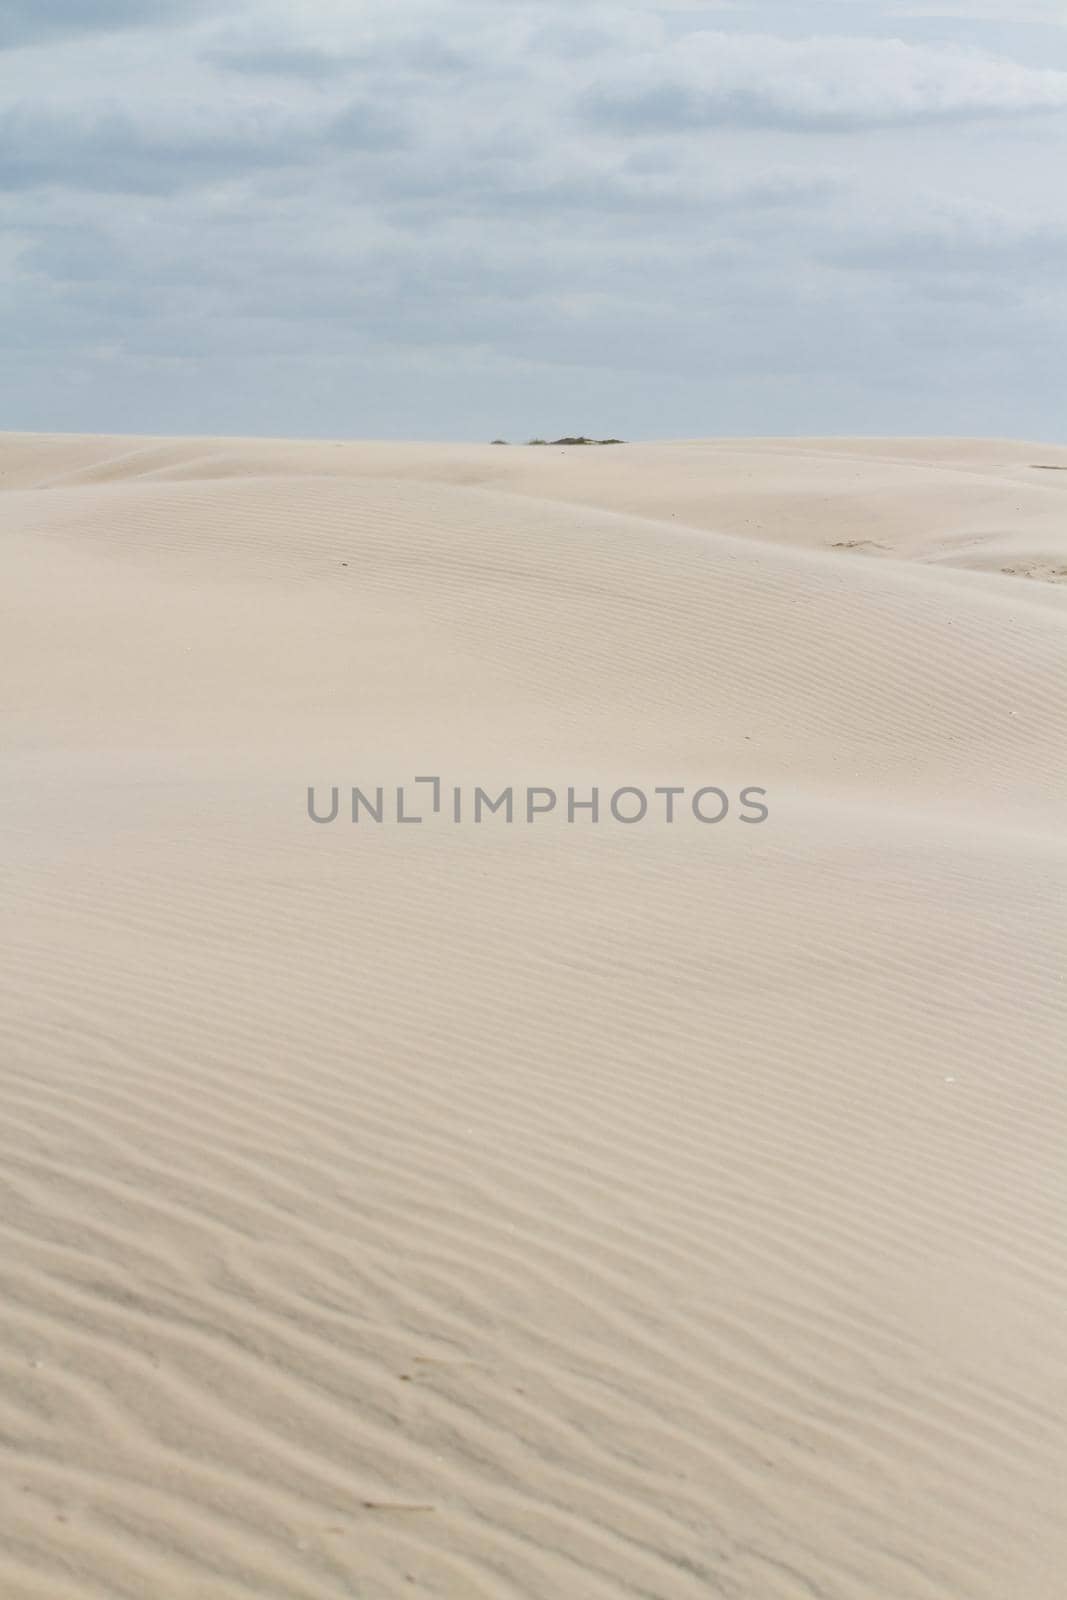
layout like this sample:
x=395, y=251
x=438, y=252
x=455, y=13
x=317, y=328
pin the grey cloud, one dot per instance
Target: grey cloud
x=676, y=108
x=422, y=54
x=279, y=61
x=1015, y=257
x=114, y=153
x=413, y=201
x=747, y=81
x=571, y=41
x=592, y=199
x=24, y=22
x=431, y=55
x=71, y=255
x=1022, y=11
x=363, y=125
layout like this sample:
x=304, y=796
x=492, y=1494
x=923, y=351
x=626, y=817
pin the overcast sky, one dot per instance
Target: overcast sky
x=464, y=218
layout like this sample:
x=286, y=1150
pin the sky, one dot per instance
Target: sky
x=464, y=219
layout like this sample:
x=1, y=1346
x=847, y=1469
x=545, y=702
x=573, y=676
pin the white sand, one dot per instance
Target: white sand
x=558, y=1211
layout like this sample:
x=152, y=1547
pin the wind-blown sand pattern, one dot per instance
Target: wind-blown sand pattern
x=559, y=1211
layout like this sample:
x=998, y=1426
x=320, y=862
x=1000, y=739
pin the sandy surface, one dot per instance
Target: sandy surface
x=546, y=1210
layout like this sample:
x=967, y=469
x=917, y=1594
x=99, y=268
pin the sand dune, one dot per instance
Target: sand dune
x=542, y=1209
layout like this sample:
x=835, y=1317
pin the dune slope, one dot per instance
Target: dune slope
x=546, y=1208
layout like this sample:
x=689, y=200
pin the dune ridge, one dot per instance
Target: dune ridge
x=564, y=1209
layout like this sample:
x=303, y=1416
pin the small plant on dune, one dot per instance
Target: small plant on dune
x=498, y=441
x=575, y=438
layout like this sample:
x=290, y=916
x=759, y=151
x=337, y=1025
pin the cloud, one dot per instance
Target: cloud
x=24, y=22
x=466, y=216
x=415, y=54
x=363, y=125
x=279, y=61
x=1018, y=258
x=815, y=85
x=1022, y=11
x=115, y=152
